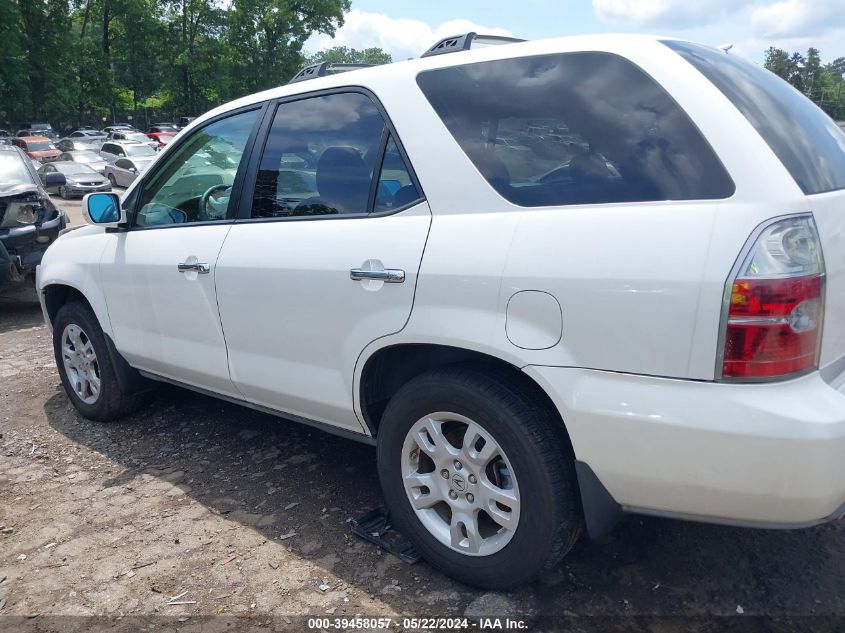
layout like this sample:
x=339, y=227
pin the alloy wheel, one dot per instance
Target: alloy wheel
x=80, y=364
x=460, y=484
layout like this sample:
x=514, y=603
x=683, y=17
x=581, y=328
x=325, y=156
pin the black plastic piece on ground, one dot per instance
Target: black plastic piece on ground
x=375, y=527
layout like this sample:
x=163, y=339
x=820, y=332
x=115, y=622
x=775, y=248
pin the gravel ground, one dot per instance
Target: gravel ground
x=239, y=513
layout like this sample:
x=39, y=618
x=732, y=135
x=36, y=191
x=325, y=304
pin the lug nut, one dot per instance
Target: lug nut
x=453, y=494
x=458, y=465
x=444, y=473
x=472, y=479
x=470, y=497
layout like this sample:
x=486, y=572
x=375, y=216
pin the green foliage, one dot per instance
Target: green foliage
x=823, y=83
x=80, y=61
x=345, y=55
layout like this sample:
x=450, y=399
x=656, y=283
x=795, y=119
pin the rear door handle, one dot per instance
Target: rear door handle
x=388, y=275
x=202, y=269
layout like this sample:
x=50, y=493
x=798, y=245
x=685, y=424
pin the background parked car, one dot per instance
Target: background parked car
x=184, y=121
x=134, y=136
x=68, y=144
x=5, y=140
x=37, y=147
x=92, y=159
x=112, y=150
x=162, y=134
x=79, y=179
x=24, y=233
x=90, y=136
x=118, y=126
x=123, y=171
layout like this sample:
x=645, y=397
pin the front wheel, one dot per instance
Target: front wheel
x=479, y=477
x=85, y=366
x=112, y=180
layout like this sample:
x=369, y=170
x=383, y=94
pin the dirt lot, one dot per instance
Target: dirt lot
x=239, y=513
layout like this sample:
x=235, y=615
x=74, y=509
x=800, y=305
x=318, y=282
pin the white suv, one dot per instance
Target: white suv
x=553, y=281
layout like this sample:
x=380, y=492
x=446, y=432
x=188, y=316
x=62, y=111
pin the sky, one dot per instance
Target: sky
x=405, y=29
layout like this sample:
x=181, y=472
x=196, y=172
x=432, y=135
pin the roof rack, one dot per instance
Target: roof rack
x=464, y=42
x=323, y=69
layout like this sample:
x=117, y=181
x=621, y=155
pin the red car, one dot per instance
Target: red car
x=161, y=134
x=38, y=148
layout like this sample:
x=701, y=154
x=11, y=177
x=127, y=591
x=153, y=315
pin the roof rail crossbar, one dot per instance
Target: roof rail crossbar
x=464, y=42
x=323, y=69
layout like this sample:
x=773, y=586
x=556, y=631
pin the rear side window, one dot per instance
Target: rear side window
x=574, y=128
x=808, y=142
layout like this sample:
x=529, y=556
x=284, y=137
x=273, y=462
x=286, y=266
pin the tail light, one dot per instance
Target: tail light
x=772, y=323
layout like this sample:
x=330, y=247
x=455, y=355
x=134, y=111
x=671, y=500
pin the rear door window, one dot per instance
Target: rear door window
x=574, y=128
x=320, y=157
x=807, y=141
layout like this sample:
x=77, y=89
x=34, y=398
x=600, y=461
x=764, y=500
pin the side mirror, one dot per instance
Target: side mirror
x=103, y=209
x=54, y=179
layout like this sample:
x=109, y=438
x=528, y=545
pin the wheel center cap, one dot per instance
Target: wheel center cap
x=458, y=483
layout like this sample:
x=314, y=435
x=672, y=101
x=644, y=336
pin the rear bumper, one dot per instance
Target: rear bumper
x=763, y=455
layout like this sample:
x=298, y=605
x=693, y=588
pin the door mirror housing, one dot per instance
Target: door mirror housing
x=53, y=179
x=103, y=209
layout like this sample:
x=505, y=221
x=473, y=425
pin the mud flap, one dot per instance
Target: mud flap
x=375, y=527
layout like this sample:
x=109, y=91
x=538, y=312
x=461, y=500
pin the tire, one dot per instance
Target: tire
x=110, y=403
x=112, y=180
x=63, y=192
x=546, y=521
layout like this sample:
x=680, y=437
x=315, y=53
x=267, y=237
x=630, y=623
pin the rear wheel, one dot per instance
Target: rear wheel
x=479, y=477
x=63, y=192
x=85, y=366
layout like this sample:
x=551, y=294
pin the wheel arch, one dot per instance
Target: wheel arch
x=55, y=295
x=387, y=369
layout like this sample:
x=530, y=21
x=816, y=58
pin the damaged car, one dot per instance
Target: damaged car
x=29, y=221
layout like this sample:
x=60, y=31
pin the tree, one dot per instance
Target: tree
x=266, y=38
x=345, y=55
x=823, y=83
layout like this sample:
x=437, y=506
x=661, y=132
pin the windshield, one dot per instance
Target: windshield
x=39, y=146
x=73, y=168
x=12, y=170
x=139, y=150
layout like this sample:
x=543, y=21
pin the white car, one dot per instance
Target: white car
x=657, y=329
x=123, y=171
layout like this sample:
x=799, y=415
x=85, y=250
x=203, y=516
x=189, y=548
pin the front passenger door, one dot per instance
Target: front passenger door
x=158, y=277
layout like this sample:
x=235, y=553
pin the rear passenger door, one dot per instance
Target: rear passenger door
x=325, y=256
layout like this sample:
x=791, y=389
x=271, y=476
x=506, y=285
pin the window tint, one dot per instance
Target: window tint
x=802, y=136
x=395, y=187
x=319, y=157
x=195, y=182
x=574, y=128
x=123, y=163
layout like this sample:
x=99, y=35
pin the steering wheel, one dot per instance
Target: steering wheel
x=214, y=207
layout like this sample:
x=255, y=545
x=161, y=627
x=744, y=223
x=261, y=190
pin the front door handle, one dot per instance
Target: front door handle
x=202, y=269
x=388, y=275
